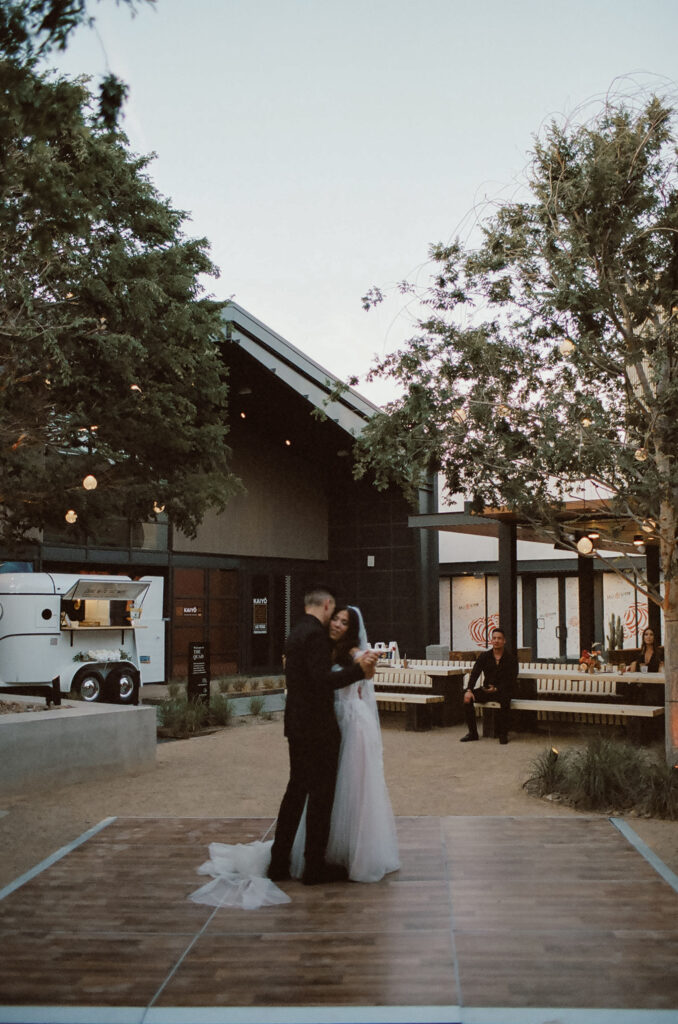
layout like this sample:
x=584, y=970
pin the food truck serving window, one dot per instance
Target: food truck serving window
x=106, y=590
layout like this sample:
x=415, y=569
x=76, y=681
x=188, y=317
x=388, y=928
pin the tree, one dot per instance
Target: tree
x=548, y=355
x=109, y=355
x=30, y=29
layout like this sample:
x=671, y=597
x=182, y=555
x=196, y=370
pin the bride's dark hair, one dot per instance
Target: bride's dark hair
x=350, y=639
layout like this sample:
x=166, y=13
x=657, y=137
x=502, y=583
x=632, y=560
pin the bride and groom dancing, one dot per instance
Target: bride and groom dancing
x=335, y=820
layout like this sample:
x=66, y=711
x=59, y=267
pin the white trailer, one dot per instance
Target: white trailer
x=79, y=629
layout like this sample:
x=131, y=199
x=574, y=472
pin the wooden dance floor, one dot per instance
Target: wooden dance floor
x=489, y=921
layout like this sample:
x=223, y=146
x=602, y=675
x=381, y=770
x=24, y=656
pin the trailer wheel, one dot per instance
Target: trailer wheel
x=90, y=686
x=123, y=684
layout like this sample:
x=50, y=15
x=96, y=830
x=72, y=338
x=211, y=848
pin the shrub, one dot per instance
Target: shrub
x=256, y=705
x=221, y=710
x=239, y=685
x=607, y=774
x=182, y=717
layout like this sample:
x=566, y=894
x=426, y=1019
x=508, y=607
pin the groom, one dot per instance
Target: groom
x=314, y=739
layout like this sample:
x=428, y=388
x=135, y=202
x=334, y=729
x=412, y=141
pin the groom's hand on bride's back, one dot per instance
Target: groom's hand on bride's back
x=367, y=662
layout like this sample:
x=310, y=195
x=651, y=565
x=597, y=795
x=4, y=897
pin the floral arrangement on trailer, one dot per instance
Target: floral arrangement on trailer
x=119, y=655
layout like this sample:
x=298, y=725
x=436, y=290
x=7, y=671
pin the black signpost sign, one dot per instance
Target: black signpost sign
x=199, y=672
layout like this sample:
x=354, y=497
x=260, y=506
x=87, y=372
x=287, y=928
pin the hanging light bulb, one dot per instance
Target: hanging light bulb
x=640, y=455
x=90, y=482
x=584, y=545
x=503, y=410
x=586, y=422
x=648, y=526
x=71, y=516
x=459, y=415
x=566, y=346
x=158, y=508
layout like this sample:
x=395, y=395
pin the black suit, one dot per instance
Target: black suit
x=314, y=739
x=503, y=675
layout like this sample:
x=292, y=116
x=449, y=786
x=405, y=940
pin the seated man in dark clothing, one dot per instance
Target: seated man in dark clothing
x=499, y=669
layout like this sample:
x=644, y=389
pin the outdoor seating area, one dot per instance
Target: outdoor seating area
x=545, y=691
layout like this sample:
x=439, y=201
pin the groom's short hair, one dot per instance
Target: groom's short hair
x=317, y=595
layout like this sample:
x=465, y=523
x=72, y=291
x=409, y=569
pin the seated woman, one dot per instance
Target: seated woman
x=650, y=654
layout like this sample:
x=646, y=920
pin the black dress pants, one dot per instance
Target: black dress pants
x=313, y=774
x=482, y=697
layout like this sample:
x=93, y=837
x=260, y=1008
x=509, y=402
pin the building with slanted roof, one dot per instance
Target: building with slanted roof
x=302, y=518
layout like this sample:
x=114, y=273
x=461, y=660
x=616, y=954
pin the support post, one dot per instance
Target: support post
x=508, y=611
x=586, y=612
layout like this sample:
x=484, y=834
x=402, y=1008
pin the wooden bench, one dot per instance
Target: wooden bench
x=416, y=680
x=419, y=707
x=553, y=699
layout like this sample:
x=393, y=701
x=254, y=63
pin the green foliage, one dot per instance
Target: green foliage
x=221, y=710
x=256, y=705
x=182, y=717
x=109, y=353
x=490, y=396
x=31, y=29
x=607, y=775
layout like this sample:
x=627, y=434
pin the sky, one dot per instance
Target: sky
x=323, y=145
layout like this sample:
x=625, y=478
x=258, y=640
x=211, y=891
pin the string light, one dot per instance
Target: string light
x=71, y=516
x=90, y=482
x=566, y=346
x=586, y=422
x=459, y=415
x=640, y=455
x=158, y=508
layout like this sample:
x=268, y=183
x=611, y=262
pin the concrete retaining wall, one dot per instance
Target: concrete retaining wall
x=72, y=742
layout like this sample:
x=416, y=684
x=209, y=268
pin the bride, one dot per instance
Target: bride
x=362, y=830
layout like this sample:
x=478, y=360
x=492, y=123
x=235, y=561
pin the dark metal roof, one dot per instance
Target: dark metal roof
x=350, y=411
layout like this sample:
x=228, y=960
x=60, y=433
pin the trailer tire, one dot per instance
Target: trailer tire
x=123, y=685
x=89, y=685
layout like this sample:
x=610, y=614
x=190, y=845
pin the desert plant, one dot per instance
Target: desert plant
x=606, y=774
x=660, y=791
x=221, y=710
x=256, y=705
x=239, y=685
x=182, y=717
x=548, y=773
x=175, y=689
x=616, y=631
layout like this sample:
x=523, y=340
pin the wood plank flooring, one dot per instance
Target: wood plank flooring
x=486, y=917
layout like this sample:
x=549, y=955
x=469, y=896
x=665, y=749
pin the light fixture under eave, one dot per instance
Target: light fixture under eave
x=639, y=540
x=584, y=546
x=71, y=516
x=593, y=534
x=90, y=482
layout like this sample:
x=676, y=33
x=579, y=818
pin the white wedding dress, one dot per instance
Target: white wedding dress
x=362, y=830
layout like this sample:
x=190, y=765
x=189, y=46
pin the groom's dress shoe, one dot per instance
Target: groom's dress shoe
x=324, y=874
x=278, y=874
x=468, y=738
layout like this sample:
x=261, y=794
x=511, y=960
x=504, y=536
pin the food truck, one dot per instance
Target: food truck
x=81, y=630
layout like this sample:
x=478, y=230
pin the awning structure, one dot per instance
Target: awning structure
x=574, y=520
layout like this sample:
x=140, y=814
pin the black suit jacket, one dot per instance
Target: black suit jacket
x=311, y=682
x=502, y=675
